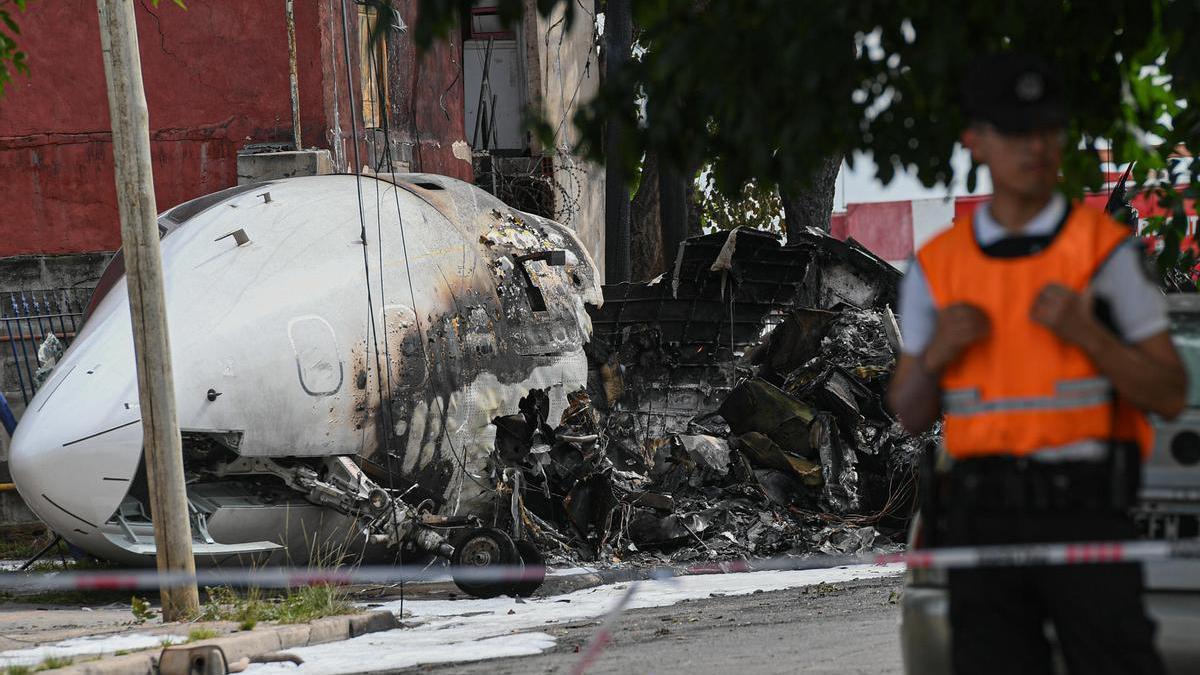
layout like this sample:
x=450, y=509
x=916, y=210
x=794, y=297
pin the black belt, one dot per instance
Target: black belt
x=1019, y=484
x=1009, y=484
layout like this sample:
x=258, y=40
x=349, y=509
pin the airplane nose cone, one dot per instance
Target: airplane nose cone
x=77, y=446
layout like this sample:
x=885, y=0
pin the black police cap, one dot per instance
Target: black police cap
x=1016, y=93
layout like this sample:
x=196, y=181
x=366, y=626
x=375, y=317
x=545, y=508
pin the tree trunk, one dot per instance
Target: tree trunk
x=672, y=206
x=646, y=232
x=618, y=43
x=813, y=205
x=694, y=208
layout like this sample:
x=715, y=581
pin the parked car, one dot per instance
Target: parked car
x=1168, y=508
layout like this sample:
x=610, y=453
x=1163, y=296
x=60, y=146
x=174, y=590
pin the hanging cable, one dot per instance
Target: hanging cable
x=386, y=372
x=386, y=127
x=385, y=413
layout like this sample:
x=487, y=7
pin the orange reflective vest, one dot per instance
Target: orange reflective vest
x=1021, y=388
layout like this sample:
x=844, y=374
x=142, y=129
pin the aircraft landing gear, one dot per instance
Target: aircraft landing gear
x=480, y=548
x=535, y=569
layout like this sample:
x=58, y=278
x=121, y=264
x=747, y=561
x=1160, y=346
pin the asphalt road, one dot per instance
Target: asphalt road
x=850, y=627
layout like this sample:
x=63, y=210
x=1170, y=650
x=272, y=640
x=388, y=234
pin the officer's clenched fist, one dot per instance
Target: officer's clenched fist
x=1067, y=313
x=959, y=326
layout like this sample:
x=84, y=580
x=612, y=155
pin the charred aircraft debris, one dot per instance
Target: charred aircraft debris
x=734, y=409
x=375, y=363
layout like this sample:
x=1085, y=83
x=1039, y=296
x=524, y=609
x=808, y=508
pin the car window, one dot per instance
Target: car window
x=1185, y=332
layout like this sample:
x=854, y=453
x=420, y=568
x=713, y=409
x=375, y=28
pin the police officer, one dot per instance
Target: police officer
x=1032, y=327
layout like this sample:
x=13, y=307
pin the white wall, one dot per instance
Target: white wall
x=570, y=76
x=859, y=185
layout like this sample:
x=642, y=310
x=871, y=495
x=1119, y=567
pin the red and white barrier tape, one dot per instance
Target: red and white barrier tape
x=1083, y=553
x=600, y=640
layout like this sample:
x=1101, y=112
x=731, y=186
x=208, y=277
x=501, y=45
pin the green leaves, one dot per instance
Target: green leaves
x=761, y=90
x=12, y=59
x=754, y=205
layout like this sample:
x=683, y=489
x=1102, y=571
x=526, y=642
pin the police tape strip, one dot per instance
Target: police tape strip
x=600, y=640
x=1022, y=555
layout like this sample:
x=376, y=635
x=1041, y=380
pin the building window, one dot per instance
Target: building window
x=486, y=23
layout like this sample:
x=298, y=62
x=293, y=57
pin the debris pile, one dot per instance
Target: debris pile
x=734, y=408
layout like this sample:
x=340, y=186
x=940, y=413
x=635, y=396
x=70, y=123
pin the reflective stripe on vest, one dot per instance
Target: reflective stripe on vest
x=1068, y=394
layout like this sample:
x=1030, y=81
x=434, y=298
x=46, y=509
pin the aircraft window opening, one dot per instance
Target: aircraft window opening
x=537, y=301
x=429, y=186
x=552, y=258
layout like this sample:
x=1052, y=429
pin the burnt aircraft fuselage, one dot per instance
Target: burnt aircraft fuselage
x=351, y=331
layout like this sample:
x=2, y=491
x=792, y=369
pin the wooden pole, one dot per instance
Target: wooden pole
x=293, y=77
x=147, y=304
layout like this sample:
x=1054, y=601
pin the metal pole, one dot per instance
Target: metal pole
x=293, y=77
x=12, y=344
x=29, y=345
x=147, y=305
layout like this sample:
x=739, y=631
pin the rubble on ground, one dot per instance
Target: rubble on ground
x=734, y=408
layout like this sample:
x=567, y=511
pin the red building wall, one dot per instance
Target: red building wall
x=885, y=227
x=427, y=100
x=216, y=78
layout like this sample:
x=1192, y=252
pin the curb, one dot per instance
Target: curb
x=249, y=643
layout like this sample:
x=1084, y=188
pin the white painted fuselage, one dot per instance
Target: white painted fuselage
x=306, y=342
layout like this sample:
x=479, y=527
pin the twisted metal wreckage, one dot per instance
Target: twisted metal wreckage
x=368, y=364
x=734, y=408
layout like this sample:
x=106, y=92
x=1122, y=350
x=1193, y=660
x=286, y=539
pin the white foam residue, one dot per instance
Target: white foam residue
x=474, y=629
x=86, y=646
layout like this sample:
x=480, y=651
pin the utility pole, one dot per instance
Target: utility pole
x=293, y=78
x=618, y=43
x=147, y=304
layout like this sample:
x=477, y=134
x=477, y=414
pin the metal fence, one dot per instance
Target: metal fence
x=28, y=317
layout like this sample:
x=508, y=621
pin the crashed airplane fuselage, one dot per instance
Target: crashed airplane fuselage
x=339, y=342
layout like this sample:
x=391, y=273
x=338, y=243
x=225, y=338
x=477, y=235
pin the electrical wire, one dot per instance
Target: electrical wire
x=384, y=407
x=379, y=95
x=412, y=292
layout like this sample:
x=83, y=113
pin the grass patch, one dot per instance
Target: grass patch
x=52, y=662
x=60, y=564
x=141, y=609
x=49, y=663
x=21, y=545
x=297, y=605
x=312, y=602
x=198, y=634
x=68, y=598
x=55, y=561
